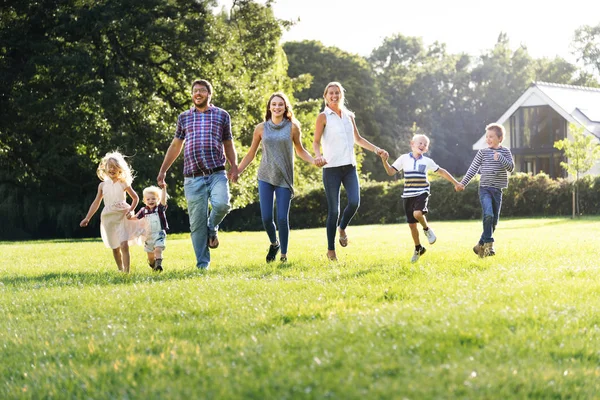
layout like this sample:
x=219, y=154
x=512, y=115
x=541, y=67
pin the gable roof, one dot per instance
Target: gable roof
x=576, y=104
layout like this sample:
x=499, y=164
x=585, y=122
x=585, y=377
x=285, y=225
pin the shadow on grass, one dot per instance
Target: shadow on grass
x=82, y=279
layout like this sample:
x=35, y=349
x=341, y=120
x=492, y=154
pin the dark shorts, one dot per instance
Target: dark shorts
x=418, y=203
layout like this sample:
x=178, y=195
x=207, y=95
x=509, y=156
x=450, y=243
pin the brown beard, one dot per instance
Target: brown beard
x=202, y=104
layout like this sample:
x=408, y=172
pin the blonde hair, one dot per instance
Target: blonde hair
x=342, y=101
x=125, y=171
x=153, y=189
x=498, y=130
x=421, y=136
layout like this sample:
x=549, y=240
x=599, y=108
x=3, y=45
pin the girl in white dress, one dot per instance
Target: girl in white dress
x=117, y=228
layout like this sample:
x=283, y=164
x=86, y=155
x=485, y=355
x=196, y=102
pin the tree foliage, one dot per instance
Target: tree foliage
x=79, y=78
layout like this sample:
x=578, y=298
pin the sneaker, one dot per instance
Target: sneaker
x=430, y=236
x=152, y=265
x=417, y=254
x=273, y=250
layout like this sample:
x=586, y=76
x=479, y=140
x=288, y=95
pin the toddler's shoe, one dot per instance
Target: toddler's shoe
x=158, y=267
x=417, y=254
x=430, y=236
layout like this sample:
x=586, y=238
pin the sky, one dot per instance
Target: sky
x=470, y=26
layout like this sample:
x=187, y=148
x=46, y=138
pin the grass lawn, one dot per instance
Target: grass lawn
x=522, y=324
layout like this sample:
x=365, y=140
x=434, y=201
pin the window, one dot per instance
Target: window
x=537, y=128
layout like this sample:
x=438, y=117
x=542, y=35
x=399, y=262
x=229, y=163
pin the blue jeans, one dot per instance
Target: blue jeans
x=333, y=178
x=491, y=201
x=199, y=191
x=283, y=195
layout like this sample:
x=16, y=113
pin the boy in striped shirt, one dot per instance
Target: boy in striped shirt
x=416, y=187
x=494, y=164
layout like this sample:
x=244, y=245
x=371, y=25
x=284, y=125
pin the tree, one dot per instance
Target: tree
x=79, y=78
x=587, y=46
x=582, y=152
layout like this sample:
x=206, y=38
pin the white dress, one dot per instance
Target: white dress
x=115, y=228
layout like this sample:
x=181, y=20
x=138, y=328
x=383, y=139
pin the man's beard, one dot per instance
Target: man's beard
x=202, y=103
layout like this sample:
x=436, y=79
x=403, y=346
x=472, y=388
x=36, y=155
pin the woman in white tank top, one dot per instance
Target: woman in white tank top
x=337, y=133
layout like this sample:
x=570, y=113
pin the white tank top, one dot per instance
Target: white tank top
x=338, y=139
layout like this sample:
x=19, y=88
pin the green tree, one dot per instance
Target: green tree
x=582, y=152
x=81, y=77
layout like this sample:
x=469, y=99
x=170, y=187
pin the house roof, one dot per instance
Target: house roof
x=576, y=104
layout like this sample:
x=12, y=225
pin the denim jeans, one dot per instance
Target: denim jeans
x=283, y=196
x=491, y=201
x=199, y=191
x=333, y=178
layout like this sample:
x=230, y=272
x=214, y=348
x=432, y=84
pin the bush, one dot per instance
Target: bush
x=381, y=202
x=28, y=216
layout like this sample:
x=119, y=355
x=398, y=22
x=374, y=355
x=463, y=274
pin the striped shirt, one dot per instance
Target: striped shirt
x=494, y=173
x=204, y=133
x=415, y=173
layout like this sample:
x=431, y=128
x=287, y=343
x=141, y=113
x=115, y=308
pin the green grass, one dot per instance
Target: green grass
x=522, y=324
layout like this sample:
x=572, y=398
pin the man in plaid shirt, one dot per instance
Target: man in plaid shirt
x=204, y=132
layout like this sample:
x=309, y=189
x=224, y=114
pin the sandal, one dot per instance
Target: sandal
x=331, y=258
x=343, y=240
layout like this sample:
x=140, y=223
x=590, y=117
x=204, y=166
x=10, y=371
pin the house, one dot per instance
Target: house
x=540, y=117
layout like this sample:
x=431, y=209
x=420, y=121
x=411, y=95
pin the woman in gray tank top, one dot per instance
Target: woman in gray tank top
x=280, y=135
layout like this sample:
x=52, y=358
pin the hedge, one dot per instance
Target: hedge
x=381, y=202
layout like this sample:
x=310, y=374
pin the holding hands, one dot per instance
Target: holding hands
x=382, y=153
x=459, y=187
x=320, y=161
x=234, y=173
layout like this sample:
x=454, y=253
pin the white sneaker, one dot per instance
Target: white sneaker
x=417, y=254
x=430, y=235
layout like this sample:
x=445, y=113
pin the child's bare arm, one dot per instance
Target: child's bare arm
x=391, y=171
x=134, y=201
x=457, y=185
x=93, y=207
x=163, y=195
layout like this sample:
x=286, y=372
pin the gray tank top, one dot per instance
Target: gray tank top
x=277, y=162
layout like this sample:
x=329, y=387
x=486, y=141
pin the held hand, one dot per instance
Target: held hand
x=233, y=174
x=320, y=161
x=384, y=155
x=459, y=187
x=84, y=222
x=160, y=179
x=129, y=215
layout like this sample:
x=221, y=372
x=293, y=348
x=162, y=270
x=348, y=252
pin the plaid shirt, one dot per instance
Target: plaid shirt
x=159, y=210
x=204, y=133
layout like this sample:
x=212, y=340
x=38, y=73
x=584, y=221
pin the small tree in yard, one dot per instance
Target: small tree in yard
x=581, y=153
